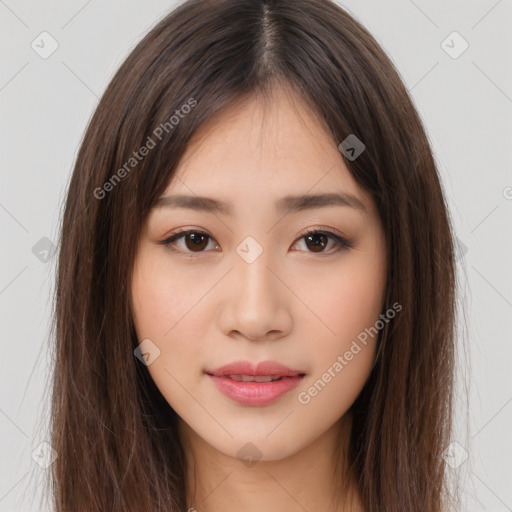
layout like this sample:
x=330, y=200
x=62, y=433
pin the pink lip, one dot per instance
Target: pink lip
x=255, y=393
x=247, y=368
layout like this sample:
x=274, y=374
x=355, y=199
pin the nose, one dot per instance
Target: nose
x=257, y=303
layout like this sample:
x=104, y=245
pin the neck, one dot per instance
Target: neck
x=317, y=477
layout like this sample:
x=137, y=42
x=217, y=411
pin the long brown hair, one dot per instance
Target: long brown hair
x=115, y=435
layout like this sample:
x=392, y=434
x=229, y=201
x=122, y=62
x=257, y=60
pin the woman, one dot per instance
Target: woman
x=255, y=296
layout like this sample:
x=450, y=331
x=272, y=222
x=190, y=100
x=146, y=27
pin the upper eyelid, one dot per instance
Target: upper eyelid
x=304, y=232
x=319, y=228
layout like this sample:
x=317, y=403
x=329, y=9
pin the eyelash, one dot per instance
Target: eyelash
x=341, y=243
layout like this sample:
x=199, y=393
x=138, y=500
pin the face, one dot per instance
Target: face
x=248, y=283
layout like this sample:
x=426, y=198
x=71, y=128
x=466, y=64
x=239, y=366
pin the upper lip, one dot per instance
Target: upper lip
x=248, y=368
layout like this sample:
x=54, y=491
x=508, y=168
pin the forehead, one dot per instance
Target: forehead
x=258, y=148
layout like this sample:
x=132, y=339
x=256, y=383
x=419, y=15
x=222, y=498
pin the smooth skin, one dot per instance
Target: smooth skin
x=203, y=305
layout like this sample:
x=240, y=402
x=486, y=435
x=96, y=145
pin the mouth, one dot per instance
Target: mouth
x=253, y=378
x=252, y=385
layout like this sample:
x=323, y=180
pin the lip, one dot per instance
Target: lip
x=248, y=368
x=255, y=393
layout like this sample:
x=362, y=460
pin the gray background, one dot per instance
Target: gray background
x=465, y=102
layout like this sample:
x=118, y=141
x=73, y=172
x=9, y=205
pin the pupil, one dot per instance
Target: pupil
x=317, y=244
x=197, y=239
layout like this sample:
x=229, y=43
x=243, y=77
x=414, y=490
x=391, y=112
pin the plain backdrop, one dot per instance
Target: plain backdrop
x=464, y=99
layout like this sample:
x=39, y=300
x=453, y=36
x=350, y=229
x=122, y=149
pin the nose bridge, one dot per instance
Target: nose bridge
x=253, y=278
x=255, y=306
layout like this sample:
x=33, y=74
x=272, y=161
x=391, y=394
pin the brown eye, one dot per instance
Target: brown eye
x=197, y=241
x=194, y=241
x=316, y=241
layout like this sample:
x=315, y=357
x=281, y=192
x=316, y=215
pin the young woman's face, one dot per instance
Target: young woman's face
x=247, y=285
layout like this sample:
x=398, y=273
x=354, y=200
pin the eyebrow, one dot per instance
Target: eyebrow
x=288, y=203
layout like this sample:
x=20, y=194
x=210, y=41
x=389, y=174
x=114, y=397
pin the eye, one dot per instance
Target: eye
x=195, y=241
x=318, y=240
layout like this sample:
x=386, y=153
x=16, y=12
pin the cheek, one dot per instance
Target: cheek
x=161, y=297
x=346, y=302
x=162, y=313
x=168, y=309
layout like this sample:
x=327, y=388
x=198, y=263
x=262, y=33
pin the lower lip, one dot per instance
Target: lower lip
x=255, y=393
